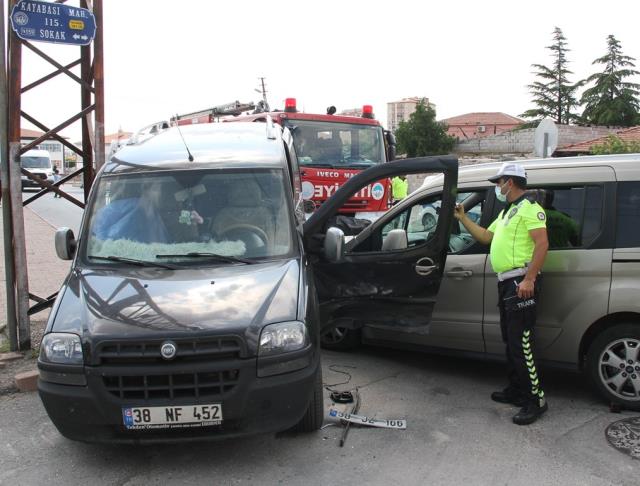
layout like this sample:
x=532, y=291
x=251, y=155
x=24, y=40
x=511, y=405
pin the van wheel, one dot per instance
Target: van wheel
x=314, y=414
x=340, y=339
x=613, y=365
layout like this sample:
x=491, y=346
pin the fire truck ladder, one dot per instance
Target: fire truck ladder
x=234, y=108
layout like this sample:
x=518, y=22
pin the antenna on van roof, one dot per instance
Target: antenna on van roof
x=184, y=142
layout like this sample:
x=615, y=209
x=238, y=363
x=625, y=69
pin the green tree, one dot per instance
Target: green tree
x=422, y=134
x=615, y=145
x=611, y=100
x=552, y=94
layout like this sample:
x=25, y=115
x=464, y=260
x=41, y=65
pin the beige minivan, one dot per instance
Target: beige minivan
x=589, y=316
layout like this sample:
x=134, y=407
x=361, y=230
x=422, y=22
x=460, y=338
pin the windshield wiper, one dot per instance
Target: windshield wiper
x=207, y=255
x=133, y=261
x=316, y=164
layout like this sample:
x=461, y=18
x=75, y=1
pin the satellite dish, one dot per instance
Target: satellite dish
x=545, y=138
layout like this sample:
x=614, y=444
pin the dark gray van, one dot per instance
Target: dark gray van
x=191, y=308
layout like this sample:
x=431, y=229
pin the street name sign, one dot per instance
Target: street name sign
x=53, y=22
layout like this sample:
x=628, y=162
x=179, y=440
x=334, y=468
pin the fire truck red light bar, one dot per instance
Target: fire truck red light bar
x=290, y=105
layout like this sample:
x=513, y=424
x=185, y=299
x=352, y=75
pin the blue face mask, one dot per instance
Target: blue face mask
x=499, y=196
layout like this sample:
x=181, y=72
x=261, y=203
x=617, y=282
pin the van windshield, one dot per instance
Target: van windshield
x=29, y=162
x=337, y=145
x=189, y=217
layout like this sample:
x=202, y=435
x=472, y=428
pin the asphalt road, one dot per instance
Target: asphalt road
x=58, y=212
x=455, y=435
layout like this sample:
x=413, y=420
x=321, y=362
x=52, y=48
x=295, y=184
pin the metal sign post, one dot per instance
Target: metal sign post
x=6, y=197
x=39, y=21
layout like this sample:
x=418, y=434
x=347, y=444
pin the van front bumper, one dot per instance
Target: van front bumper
x=253, y=405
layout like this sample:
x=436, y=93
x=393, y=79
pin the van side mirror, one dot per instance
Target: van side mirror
x=391, y=145
x=395, y=240
x=65, y=243
x=334, y=245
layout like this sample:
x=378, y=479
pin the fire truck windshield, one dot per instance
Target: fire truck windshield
x=337, y=145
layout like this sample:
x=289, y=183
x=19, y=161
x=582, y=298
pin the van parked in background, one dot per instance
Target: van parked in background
x=39, y=163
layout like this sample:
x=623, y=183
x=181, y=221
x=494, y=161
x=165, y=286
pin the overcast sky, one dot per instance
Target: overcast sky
x=164, y=57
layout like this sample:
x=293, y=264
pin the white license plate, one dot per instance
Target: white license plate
x=172, y=417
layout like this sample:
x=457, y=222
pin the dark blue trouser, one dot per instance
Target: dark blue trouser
x=517, y=322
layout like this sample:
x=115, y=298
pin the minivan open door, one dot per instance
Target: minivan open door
x=382, y=277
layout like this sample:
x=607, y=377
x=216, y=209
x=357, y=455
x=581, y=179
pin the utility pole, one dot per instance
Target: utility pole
x=263, y=90
x=7, y=233
x=20, y=276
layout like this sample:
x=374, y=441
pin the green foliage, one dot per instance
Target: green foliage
x=615, y=145
x=422, y=134
x=552, y=93
x=611, y=100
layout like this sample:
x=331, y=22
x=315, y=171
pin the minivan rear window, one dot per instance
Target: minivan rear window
x=628, y=220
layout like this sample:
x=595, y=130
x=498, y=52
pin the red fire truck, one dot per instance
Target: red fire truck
x=331, y=149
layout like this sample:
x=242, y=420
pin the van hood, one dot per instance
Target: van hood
x=140, y=303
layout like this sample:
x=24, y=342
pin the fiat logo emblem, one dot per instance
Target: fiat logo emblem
x=168, y=350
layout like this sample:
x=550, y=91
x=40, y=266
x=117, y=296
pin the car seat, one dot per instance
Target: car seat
x=245, y=207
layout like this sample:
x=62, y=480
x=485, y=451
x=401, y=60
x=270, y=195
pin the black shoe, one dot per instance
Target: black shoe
x=530, y=413
x=509, y=395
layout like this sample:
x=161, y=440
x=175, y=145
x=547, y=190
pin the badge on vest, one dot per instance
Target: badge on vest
x=511, y=214
x=541, y=216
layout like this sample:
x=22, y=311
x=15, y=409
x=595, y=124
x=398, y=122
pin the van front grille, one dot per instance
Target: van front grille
x=209, y=384
x=148, y=351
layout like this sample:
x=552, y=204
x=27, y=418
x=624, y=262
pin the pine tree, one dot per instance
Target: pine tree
x=611, y=100
x=422, y=134
x=553, y=94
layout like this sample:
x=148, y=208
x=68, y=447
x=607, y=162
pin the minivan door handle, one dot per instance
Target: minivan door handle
x=422, y=269
x=459, y=273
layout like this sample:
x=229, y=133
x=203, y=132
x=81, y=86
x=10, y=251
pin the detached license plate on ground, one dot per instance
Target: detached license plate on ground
x=172, y=417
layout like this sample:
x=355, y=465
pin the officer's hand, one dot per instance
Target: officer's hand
x=526, y=289
x=458, y=212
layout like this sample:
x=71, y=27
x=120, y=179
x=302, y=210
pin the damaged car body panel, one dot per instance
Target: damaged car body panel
x=380, y=278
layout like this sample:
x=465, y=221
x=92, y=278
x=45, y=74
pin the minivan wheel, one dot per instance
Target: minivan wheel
x=314, y=414
x=613, y=364
x=340, y=339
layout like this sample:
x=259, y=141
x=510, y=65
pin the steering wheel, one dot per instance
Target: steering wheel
x=429, y=221
x=251, y=235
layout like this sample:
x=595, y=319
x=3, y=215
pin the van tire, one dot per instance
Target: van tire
x=601, y=350
x=344, y=339
x=313, y=416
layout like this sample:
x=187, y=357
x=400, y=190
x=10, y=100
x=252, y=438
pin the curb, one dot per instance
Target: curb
x=27, y=381
x=6, y=357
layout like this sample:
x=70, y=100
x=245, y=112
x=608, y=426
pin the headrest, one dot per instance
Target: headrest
x=245, y=195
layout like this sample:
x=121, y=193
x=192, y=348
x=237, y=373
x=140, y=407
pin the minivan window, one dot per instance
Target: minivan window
x=574, y=214
x=421, y=219
x=179, y=215
x=628, y=220
x=30, y=162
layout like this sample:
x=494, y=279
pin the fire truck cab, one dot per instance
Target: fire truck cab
x=333, y=148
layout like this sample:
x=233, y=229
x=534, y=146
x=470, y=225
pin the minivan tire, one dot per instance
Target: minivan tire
x=603, y=349
x=313, y=416
x=341, y=339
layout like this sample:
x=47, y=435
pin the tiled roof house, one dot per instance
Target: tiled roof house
x=626, y=135
x=481, y=124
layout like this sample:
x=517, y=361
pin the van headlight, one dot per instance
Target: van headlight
x=282, y=338
x=61, y=348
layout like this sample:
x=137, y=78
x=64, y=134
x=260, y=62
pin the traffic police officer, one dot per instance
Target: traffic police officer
x=519, y=244
x=399, y=188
